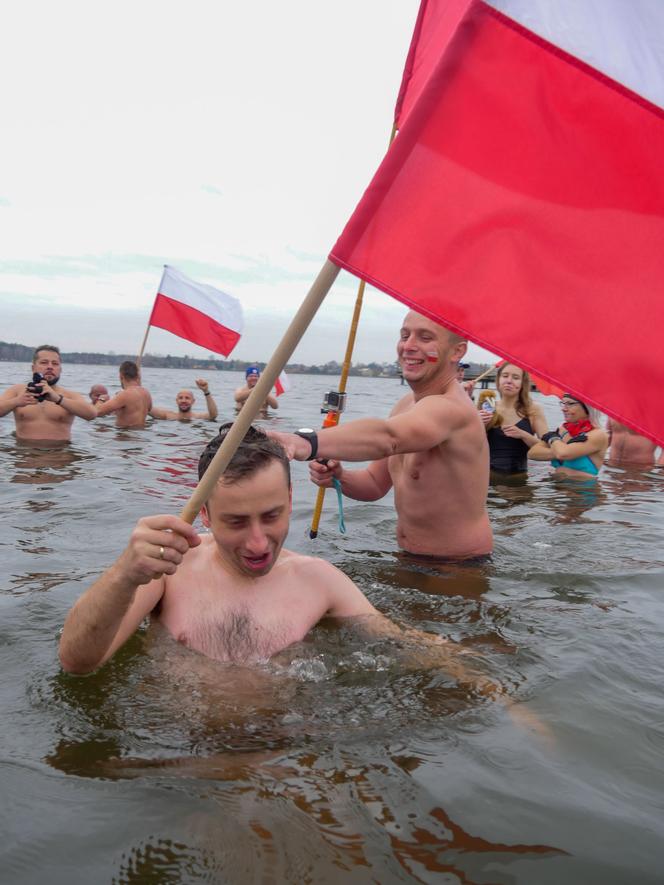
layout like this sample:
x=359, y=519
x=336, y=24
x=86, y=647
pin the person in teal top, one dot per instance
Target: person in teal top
x=577, y=448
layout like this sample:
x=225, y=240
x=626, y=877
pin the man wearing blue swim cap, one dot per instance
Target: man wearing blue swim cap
x=252, y=374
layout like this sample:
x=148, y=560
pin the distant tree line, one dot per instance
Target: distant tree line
x=20, y=353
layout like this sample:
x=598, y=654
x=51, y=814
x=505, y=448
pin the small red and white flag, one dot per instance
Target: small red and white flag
x=282, y=384
x=197, y=312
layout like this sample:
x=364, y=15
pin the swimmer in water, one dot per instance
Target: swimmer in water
x=242, y=393
x=234, y=594
x=43, y=410
x=184, y=401
x=432, y=450
x=132, y=404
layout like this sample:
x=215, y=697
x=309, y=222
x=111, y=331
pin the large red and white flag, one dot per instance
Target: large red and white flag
x=522, y=203
x=197, y=312
x=282, y=384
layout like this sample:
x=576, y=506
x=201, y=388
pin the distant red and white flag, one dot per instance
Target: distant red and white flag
x=197, y=312
x=283, y=384
x=522, y=202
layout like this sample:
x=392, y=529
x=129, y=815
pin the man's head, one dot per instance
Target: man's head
x=46, y=360
x=248, y=511
x=252, y=375
x=129, y=371
x=461, y=370
x=185, y=400
x=427, y=351
x=97, y=391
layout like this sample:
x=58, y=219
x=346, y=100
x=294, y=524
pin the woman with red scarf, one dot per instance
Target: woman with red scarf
x=577, y=448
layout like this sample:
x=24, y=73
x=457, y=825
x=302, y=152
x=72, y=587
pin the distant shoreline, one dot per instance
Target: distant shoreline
x=21, y=353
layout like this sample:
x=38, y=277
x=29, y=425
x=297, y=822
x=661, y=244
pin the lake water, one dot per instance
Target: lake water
x=336, y=763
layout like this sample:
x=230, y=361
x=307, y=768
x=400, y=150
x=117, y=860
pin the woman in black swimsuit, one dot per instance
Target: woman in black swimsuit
x=516, y=424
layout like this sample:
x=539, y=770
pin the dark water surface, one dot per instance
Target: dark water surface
x=337, y=762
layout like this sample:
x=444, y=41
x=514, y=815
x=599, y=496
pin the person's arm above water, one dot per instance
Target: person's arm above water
x=538, y=423
x=156, y=412
x=369, y=484
x=210, y=404
x=110, y=611
x=14, y=397
x=71, y=402
x=429, y=422
x=112, y=405
x=542, y=450
x=271, y=401
x=346, y=600
x=567, y=450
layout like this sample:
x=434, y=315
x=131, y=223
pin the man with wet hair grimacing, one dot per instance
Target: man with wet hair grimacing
x=234, y=594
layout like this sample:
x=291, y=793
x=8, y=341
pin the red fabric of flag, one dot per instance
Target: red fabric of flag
x=522, y=206
x=197, y=312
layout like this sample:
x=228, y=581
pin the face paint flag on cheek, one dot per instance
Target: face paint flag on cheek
x=432, y=356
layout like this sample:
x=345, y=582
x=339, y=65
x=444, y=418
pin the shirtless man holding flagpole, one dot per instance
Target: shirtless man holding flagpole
x=432, y=450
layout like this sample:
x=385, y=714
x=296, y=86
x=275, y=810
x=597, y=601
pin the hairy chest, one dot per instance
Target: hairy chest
x=234, y=632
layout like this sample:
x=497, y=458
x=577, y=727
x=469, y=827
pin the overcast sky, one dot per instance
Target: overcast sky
x=231, y=140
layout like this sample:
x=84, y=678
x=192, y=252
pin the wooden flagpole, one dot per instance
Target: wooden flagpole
x=484, y=374
x=332, y=417
x=145, y=338
x=315, y=297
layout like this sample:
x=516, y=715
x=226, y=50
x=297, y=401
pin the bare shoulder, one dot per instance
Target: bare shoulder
x=343, y=598
x=454, y=407
x=406, y=402
x=13, y=390
x=310, y=567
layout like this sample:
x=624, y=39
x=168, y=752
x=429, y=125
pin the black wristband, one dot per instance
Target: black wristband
x=206, y=393
x=59, y=402
x=312, y=438
x=550, y=437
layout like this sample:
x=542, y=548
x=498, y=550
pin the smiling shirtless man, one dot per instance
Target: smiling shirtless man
x=184, y=401
x=235, y=594
x=45, y=413
x=432, y=450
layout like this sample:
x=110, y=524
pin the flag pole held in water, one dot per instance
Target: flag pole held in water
x=321, y=286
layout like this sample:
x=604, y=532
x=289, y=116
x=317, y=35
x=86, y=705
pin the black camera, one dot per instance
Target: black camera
x=35, y=388
x=334, y=401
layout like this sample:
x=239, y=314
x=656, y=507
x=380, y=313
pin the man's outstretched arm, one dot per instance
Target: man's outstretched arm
x=71, y=402
x=427, y=424
x=112, y=405
x=111, y=610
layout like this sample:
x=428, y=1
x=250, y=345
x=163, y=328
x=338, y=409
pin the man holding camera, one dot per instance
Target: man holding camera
x=43, y=410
